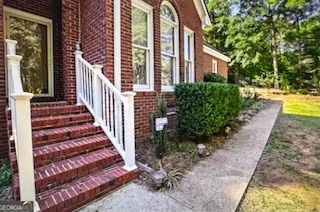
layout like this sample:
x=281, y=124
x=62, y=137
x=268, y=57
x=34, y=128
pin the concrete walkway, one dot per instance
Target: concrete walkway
x=214, y=184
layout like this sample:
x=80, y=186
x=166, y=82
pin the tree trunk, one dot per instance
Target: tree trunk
x=274, y=57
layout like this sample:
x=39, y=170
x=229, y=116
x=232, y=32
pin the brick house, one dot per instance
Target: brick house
x=215, y=61
x=141, y=46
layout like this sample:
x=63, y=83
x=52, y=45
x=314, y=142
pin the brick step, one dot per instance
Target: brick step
x=60, y=121
x=49, y=104
x=50, y=136
x=42, y=109
x=75, y=194
x=45, y=155
x=65, y=171
x=57, y=110
x=51, y=122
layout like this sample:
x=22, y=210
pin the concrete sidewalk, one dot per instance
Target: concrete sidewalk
x=214, y=184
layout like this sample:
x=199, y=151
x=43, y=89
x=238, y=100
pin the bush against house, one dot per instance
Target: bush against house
x=214, y=77
x=204, y=108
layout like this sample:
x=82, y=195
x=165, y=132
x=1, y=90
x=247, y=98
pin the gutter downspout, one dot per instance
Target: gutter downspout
x=117, y=43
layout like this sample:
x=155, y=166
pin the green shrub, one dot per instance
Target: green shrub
x=5, y=173
x=214, y=77
x=248, y=102
x=159, y=137
x=302, y=91
x=204, y=108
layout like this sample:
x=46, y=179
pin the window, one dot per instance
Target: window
x=188, y=55
x=214, y=66
x=169, y=47
x=142, y=46
x=34, y=36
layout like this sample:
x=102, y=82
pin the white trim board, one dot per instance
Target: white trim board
x=202, y=12
x=216, y=54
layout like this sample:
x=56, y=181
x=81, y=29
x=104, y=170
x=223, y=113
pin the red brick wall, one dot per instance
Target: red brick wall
x=93, y=31
x=70, y=35
x=49, y=9
x=97, y=33
x=145, y=101
x=3, y=123
x=98, y=46
x=222, y=65
x=97, y=43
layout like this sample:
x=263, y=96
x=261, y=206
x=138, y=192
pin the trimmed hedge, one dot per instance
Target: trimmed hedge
x=214, y=77
x=204, y=108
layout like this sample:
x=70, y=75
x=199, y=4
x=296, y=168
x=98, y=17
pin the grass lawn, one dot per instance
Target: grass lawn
x=288, y=175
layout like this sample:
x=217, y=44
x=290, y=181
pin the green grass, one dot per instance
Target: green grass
x=294, y=191
x=275, y=144
x=302, y=106
x=279, y=199
x=303, y=109
x=290, y=168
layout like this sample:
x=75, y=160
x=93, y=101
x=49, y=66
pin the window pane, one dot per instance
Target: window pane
x=167, y=13
x=187, y=46
x=139, y=27
x=167, y=67
x=167, y=38
x=187, y=71
x=139, y=65
x=32, y=46
x=214, y=66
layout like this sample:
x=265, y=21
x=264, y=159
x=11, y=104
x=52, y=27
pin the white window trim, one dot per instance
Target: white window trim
x=150, y=56
x=176, y=47
x=41, y=20
x=215, y=66
x=190, y=33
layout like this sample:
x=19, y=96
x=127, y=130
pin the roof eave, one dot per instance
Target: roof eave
x=216, y=54
x=202, y=12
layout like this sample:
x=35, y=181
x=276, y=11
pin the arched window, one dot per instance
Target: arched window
x=169, y=30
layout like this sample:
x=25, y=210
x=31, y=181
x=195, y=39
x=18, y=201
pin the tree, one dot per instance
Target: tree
x=261, y=36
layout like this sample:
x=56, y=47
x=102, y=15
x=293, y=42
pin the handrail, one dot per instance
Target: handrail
x=113, y=111
x=19, y=103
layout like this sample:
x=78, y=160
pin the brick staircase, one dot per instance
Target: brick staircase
x=74, y=160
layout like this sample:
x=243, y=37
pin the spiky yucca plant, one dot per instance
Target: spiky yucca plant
x=172, y=179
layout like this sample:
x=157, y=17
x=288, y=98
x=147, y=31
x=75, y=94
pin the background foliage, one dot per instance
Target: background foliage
x=277, y=41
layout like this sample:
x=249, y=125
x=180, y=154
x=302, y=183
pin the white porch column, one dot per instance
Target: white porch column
x=117, y=43
x=129, y=160
x=24, y=149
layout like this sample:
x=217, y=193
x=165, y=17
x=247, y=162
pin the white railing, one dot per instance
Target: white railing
x=19, y=103
x=113, y=111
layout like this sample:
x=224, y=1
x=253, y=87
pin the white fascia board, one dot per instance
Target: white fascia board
x=203, y=13
x=216, y=54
